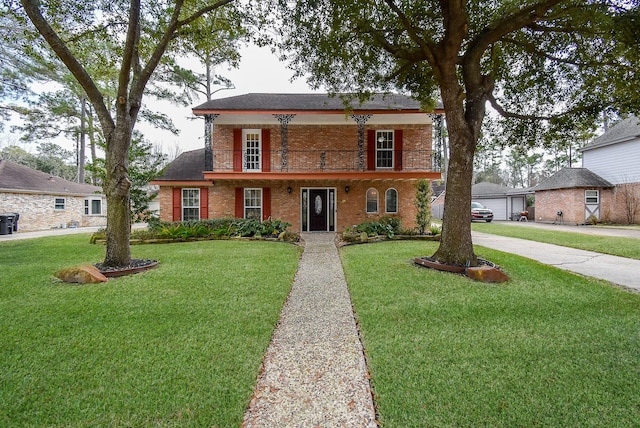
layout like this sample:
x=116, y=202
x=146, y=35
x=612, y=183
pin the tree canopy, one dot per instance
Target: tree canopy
x=544, y=65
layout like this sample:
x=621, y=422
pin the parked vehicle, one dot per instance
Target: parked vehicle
x=480, y=212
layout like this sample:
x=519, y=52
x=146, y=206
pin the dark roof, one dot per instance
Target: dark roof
x=568, y=178
x=14, y=176
x=625, y=130
x=310, y=102
x=186, y=167
x=485, y=189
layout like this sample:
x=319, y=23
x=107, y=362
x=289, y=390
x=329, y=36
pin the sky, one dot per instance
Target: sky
x=259, y=71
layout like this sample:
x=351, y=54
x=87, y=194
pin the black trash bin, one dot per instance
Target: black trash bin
x=16, y=217
x=6, y=224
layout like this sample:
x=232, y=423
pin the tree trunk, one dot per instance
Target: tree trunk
x=456, y=246
x=116, y=188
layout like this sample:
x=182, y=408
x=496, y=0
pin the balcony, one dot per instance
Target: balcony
x=320, y=164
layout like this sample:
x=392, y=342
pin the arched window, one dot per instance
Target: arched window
x=391, y=199
x=372, y=201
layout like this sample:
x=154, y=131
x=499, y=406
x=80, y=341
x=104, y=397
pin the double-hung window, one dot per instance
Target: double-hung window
x=93, y=206
x=252, y=150
x=384, y=149
x=59, y=204
x=190, y=204
x=253, y=204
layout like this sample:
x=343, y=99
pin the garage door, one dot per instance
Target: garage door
x=498, y=206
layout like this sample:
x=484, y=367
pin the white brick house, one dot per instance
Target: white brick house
x=44, y=201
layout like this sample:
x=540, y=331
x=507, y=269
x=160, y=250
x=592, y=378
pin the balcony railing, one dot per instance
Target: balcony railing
x=320, y=161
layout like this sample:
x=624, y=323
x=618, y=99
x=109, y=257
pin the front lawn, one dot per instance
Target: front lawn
x=177, y=346
x=616, y=246
x=548, y=348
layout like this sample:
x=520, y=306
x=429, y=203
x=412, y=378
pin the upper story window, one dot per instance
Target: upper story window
x=253, y=204
x=592, y=196
x=190, y=204
x=384, y=149
x=391, y=200
x=59, y=204
x=251, y=148
x=93, y=206
x=372, y=201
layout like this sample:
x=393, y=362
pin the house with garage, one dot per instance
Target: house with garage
x=307, y=159
x=606, y=188
x=505, y=202
x=44, y=201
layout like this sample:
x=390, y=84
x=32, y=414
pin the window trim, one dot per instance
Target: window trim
x=378, y=135
x=88, y=207
x=386, y=201
x=183, y=206
x=59, y=206
x=244, y=202
x=377, y=201
x=587, y=197
x=258, y=161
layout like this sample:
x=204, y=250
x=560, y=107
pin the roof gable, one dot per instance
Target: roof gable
x=568, y=178
x=16, y=177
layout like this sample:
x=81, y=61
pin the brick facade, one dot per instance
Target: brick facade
x=350, y=206
x=37, y=211
x=613, y=204
x=306, y=144
x=572, y=204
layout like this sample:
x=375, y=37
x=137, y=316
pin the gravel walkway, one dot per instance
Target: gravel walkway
x=314, y=372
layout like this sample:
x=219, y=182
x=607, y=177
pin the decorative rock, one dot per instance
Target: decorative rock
x=84, y=274
x=485, y=273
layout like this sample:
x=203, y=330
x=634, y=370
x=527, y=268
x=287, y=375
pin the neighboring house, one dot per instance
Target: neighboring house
x=303, y=159
x=44, y=201
x=572, y=196
x=506, y=203
x=615, y=156
x=607, y=188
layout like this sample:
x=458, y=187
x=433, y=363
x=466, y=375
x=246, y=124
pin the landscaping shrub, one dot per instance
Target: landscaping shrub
x=211, y=228
x=387, y=226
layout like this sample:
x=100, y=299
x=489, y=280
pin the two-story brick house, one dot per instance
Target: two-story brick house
x=304, y=159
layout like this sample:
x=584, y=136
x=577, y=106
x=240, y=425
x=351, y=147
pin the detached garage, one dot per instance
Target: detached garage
x=505, y=203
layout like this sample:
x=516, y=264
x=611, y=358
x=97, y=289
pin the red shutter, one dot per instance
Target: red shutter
x=239, y=202
x=266, y=203
x=266, y=150
x=204, y=202
x=371, y=149
x=397, y=149
x=177, y=204
x=237, y=149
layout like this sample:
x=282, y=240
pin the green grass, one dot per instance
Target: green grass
x=548, y=348
x=617, y=246
x=177, y=346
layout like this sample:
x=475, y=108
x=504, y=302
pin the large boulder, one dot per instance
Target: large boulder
x=84, y=274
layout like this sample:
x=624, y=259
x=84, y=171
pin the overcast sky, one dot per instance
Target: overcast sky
x=259, y=71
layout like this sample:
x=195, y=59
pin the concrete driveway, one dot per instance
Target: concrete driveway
x=618, y=270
